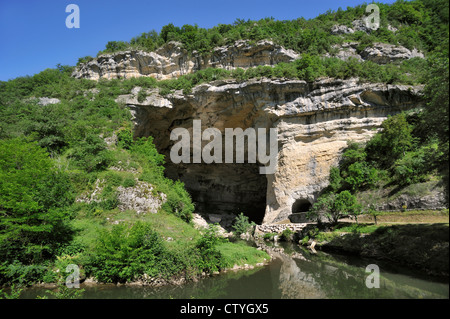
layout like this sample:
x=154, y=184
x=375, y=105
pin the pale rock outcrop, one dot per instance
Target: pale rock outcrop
x=171, y=60
x=142, y=198
x=314, y=121
x=357, y=25
x=383, y=53
x=380, y=53
x=46, y=101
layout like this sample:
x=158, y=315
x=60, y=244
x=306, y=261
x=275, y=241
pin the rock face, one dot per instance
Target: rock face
x=383, y=53
x=357, y=25
x=141, y=198
x=380, y=53
x=314, y=122
x=171, y=60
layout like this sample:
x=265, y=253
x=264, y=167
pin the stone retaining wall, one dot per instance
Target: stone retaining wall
x=279, y=228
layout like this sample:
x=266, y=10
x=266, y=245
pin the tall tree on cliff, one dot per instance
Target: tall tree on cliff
x=435, y=116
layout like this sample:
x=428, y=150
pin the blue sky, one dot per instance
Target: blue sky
x=34, y=36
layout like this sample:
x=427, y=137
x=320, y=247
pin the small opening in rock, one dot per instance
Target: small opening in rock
x=301, y=206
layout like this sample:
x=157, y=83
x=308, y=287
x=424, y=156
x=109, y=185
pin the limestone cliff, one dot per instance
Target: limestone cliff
x=171, y=60
x=314, y=121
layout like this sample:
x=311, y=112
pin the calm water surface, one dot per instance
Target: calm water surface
x=293, y=274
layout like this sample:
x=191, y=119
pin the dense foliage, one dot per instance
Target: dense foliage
x=420, y=23
x=54, y=152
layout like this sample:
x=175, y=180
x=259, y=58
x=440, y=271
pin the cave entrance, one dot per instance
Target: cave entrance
x=224, y=188
x=301, y=206
x=299, y=209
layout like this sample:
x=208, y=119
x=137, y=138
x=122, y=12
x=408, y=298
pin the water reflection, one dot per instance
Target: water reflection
x=293, y=274
x=326, y=276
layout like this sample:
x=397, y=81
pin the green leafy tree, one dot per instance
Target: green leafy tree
x=242, y=224
x=436, y=114
x=91, y=153
x=345, y=204
x=360, y=175
x=335, y=179
x=33, y=203
x=322, y=208
x=332, y=207
x=394, y=140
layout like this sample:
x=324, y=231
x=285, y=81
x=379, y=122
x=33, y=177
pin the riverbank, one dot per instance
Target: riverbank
x=424, y=247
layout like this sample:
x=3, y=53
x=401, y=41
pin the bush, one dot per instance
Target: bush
x=23, y=274
x=125, y=138
x=211, y=259
x=91, y=154
x=242, y=225
x=129, y=182
x=287, y=235
x=127, y=252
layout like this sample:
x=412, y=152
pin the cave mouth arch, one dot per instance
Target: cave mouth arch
x=299, y=209
x=301, y=206
x=224, y=188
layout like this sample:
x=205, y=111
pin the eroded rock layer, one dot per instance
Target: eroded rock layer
x=314, y=122
x=171, y=60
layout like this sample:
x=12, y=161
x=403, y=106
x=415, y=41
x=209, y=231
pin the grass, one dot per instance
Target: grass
x=358, y=228
x=179, y=236
x=386, y=193
x=407, y=217
x=240, y=254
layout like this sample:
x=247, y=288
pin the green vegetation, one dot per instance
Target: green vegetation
x=403, y=153
x=412, y=147
x=396, y=243
x=420, y=23
x=242, y=225
x=240, y=253
x=54, y=153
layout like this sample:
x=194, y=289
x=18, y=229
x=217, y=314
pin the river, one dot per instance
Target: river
x=294, y=273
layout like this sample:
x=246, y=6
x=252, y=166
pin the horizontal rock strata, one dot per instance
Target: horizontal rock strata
x=314, y=122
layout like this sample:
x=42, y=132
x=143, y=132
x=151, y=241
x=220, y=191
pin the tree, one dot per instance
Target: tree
x=113, y=46
x=323, y=208
x=335, y=179
x=394, y=140
x=436, y=114
x=335, y=206
x=360, y=175
x=242, y=224
x=91, y=153
x=34, y=198
x=345, y=204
